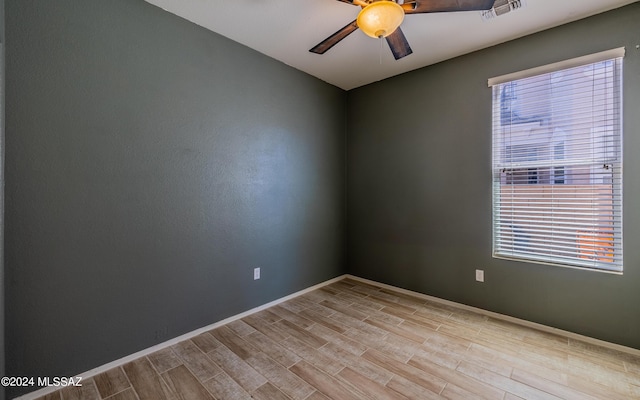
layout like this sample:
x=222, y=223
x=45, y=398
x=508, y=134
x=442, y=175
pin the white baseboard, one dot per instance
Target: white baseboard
x=171, y=342
x=518, y=321
x=186, y=336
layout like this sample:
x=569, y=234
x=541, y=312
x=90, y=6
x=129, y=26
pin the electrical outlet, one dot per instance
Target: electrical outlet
x=256, y=274
x=480, y=275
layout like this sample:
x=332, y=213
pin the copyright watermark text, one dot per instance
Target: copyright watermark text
x=28, y=381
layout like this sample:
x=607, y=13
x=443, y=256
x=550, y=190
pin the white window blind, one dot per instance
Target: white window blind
x=557, y=164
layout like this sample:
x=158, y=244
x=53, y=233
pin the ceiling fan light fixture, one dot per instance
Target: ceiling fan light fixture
x=381, y=18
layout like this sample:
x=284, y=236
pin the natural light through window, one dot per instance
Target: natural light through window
x=557, y=163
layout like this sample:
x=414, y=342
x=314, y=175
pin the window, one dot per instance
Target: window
x=557, y=163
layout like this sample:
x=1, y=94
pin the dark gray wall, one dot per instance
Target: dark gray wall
x=150, y=166
x=419, y=187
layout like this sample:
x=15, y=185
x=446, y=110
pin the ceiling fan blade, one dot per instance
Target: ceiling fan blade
x=332, y=40
x=398, y=44
x=431, y=6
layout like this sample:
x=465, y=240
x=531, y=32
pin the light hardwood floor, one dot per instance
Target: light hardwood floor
x=351, y=340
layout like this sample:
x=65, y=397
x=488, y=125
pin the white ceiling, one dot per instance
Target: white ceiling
x=287, y=29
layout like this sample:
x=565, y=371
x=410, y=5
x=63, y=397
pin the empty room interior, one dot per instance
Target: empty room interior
x=197, y=206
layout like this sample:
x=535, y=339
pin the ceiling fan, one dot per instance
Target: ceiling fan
x=382, y=18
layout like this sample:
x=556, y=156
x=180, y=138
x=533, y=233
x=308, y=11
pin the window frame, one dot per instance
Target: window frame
x=556, y=172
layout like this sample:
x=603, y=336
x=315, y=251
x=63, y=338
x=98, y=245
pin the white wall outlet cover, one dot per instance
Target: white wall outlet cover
x=480, y=275
x=256, y=273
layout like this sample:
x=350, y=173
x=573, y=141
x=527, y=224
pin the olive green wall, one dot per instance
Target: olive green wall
x=151, y=165
x=419, y=186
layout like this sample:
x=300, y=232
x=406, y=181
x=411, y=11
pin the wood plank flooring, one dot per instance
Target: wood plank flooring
x=351, y=340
